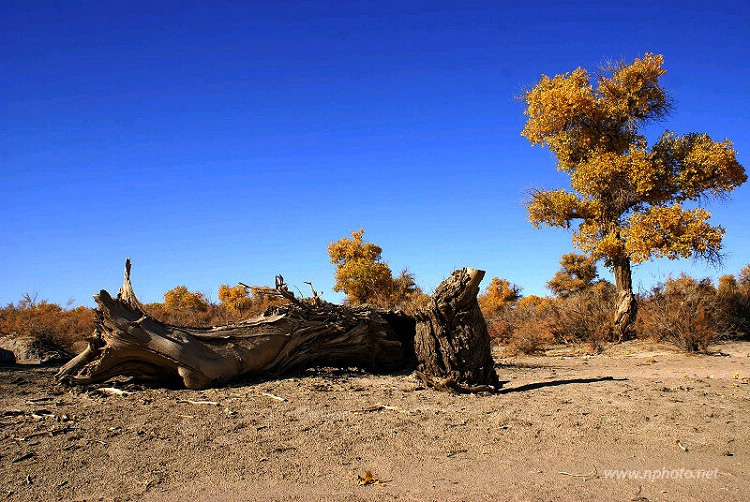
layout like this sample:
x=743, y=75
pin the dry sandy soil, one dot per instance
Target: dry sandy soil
x=564, y=422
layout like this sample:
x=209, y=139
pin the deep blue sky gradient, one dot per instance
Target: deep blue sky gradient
x=216, y=142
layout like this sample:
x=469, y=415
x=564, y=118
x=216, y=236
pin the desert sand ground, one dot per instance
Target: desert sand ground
x=566, y=427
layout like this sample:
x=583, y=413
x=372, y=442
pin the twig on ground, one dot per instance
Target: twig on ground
x=590, y=475
x=50, y=433
x=23, y=457
x=274, y=396
x=190, y=401
x=114, y=391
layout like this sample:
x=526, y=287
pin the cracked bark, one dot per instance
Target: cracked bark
x=452, y=343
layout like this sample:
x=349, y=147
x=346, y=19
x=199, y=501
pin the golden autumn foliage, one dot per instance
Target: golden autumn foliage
x=181, y=299
x=182, y=306
x=243, y=302
x=627, y=196
x=727, y=285
x=498, y=295
x=576, y=274
x=359, y=272
x=631, y=201
x=364, y=278
x=235, y=298
x=743, y=280
x=48, y=322
x=534, y=303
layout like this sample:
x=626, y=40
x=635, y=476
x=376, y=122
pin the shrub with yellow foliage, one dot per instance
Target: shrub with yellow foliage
x=48, y=323
x=364, y=278
x=182, y=306
x=235, y=299
x=244, y=302
x=498, y=295
x=577, y=273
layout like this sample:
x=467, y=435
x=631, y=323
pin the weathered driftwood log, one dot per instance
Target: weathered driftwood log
x=452, y=343
x=300, y=334
x=303, y=333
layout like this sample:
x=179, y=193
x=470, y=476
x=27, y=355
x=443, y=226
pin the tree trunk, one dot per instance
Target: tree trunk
x=452, y=343
x=300, y=334
x=303, y=333
x=627, y=305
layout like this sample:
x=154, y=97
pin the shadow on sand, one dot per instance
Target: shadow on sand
x=555, y=383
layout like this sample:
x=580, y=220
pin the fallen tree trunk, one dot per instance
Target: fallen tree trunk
x=300, y=334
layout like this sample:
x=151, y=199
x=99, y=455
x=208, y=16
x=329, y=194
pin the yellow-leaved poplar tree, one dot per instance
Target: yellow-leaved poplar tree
x=364, y=278
x=235, y=299
x=498, y=295
x=733, y=296
x=631, y=201
x=743, y=279
x=181, y=300
x=577, y=273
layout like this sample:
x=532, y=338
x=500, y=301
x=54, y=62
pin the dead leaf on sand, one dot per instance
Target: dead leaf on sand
x=369, y=479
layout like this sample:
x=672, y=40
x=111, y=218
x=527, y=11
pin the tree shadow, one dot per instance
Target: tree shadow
x=526, y=366
x=26, y=367
x=325, y=372
x=555, y=383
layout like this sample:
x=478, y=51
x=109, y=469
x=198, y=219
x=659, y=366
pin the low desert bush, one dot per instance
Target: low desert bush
x=683, y=311
x=528, y=338
x=585, y=315
x=689, y=313
x=47, y=323
x=733, y=307
x=535, y=322
x=599, y=337
x=500, y=330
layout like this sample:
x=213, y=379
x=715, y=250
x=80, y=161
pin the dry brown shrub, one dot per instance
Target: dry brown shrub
x=682, y=311
x=48, y=323
x=500, y=330
x=599, y=337
x=535, y=322
x=524, y=328
x=530, y=338
x=584, y=315
x=733, y=306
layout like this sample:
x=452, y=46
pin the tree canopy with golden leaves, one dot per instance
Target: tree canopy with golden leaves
x=498, y=295
x=364, y=278
x=577, y=273
x=235, y=299
x=359, y=272
x=632, y=202
x=180, y=299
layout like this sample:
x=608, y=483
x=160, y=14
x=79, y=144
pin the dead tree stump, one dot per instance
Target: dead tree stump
x=452, y=343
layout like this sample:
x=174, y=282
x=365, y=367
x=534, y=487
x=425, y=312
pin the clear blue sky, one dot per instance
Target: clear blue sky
x=217, y=142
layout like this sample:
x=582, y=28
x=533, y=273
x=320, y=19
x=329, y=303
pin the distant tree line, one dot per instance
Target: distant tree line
x=692, y=313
